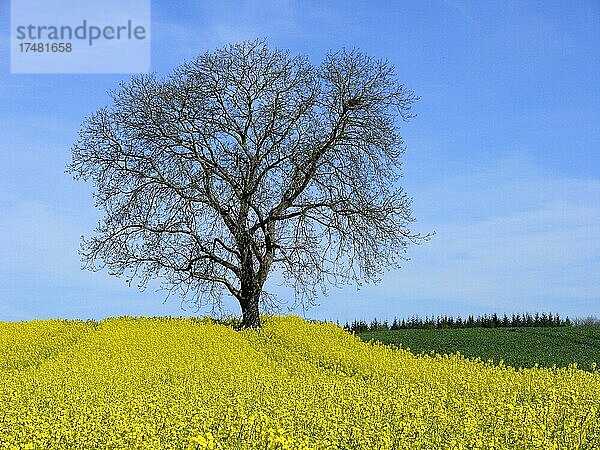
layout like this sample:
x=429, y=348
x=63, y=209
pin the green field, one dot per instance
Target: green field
x=518, y=347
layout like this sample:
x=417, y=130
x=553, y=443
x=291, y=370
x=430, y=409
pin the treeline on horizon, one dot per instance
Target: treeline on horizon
x=445, y=322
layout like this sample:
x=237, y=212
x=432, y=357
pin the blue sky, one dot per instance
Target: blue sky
x=503, y=158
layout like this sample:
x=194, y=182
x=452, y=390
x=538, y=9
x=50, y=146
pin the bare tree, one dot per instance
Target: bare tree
x=247, y=160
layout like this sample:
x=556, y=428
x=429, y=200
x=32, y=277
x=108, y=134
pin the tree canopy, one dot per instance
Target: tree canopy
x=247, y=160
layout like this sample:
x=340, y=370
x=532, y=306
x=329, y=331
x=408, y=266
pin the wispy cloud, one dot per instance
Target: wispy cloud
x=461, y=7
x=504, y=242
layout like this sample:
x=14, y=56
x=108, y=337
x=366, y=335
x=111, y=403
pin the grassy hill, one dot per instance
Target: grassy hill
x=518, y=347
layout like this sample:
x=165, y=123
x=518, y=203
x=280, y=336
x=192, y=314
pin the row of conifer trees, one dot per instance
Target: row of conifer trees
x=441, y=322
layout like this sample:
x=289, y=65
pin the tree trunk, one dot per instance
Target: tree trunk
x=250, y=312
x=250, y=288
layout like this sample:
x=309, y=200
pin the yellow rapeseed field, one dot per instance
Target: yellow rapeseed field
x=191, y=384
